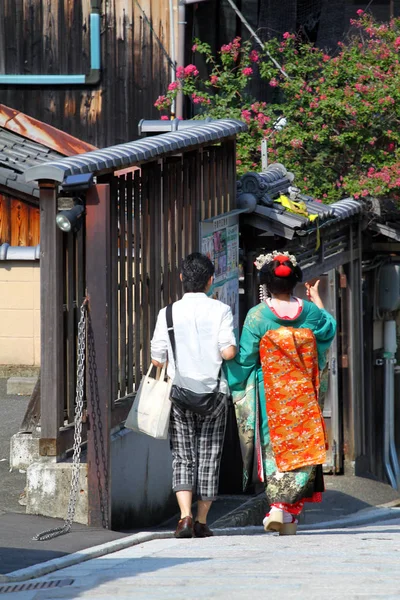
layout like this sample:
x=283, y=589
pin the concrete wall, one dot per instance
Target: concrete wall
x=141, y=480
x=19, y=313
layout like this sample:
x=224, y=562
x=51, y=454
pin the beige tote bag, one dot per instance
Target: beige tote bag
x=151, y=408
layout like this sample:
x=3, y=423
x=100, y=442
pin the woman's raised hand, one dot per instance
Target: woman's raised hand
x=313, y=293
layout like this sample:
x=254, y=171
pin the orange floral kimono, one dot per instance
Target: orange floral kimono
x=274, y=381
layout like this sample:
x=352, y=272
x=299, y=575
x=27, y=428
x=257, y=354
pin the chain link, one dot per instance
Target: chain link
x=76, y=460
x=97, y=430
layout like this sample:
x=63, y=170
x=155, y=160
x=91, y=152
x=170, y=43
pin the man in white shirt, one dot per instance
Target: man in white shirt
x=204, y=336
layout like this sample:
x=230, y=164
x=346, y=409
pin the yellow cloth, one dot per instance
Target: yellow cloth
x=299, y=208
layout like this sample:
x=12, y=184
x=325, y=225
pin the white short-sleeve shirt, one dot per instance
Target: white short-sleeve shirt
x=203, y=327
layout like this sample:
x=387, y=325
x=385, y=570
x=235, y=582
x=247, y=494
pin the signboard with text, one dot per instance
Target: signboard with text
x=219, y=240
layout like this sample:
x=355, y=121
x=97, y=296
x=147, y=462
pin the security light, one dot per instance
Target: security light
x=71, y=220
x=280, y=123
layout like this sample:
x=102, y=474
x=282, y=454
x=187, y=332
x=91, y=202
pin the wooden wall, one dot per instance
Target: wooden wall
x=52, y=37
x=19, y=222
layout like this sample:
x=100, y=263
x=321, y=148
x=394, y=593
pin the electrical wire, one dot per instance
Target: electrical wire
x=253, y=33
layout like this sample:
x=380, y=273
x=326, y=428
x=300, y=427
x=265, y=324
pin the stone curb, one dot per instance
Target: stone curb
x=83, y=555
x=362, y=517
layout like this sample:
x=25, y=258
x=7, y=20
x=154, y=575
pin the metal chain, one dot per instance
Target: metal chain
x=97, y=430
x=76, y=460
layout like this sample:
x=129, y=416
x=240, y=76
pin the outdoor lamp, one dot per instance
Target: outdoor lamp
x=70, y=220
x=280, y=123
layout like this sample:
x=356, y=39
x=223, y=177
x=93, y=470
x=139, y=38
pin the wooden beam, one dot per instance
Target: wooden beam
x=51, y=307
x=99, y=386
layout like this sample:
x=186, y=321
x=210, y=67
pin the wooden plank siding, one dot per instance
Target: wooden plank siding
x=19, y=222
x=154, y=224
x=47, y=37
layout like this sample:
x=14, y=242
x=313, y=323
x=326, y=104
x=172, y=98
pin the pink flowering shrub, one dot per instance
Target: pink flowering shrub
x=342, y=110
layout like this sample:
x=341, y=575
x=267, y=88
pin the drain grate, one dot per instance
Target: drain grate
x=38, y=585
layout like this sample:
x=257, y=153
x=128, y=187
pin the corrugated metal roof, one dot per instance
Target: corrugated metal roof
x=42, y=133
x=133, y=153
x=26, y=143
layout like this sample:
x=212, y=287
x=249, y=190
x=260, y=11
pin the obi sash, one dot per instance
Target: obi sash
x=289, y=362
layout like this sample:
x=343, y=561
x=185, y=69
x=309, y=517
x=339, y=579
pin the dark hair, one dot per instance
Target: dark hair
x=196, y=271
x=280, y=285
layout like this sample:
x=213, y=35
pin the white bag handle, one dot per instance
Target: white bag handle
x=160, y=375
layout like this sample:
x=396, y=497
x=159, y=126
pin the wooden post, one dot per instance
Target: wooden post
x=99, y=386
x=51, y=307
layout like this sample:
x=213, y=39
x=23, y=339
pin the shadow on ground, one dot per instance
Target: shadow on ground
x=19, y=550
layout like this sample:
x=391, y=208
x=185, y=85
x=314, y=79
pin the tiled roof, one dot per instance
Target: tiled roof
x=133, y=153
x=17, y=154
x=346, y=208
x=279, y=221
x=258, y=193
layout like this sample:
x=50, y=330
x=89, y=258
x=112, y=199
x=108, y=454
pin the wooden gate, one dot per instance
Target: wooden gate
x=140, y=223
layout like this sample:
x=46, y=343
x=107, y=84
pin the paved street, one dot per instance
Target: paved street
x=360, y=562
x=12, y=410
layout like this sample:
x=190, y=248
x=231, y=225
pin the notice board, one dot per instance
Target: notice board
x=219, y=240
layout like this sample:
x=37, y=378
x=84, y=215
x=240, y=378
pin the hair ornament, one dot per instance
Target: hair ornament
x=263, y=293
x=283, y=271
x=265, y=259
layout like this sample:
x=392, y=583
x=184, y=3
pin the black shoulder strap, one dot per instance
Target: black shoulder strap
x=170, y=327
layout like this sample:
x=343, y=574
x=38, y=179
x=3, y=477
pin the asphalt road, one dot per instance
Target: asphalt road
x=12, y=410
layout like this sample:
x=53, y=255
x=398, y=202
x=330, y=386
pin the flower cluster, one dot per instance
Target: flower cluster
x=341, y=135
x=188, y=71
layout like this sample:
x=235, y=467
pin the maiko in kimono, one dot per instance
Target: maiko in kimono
x=275, y=386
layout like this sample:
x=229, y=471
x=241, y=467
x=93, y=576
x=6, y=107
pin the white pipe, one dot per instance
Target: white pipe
x=264, y=155
x=386, y=427
x=181, y=51
x=393, y=450
x=389, y=337
x=392, y=466
x=172, y=49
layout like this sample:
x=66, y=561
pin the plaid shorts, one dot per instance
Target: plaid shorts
x=196, y=444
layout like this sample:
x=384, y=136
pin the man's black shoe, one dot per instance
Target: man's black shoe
x=201, y=530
